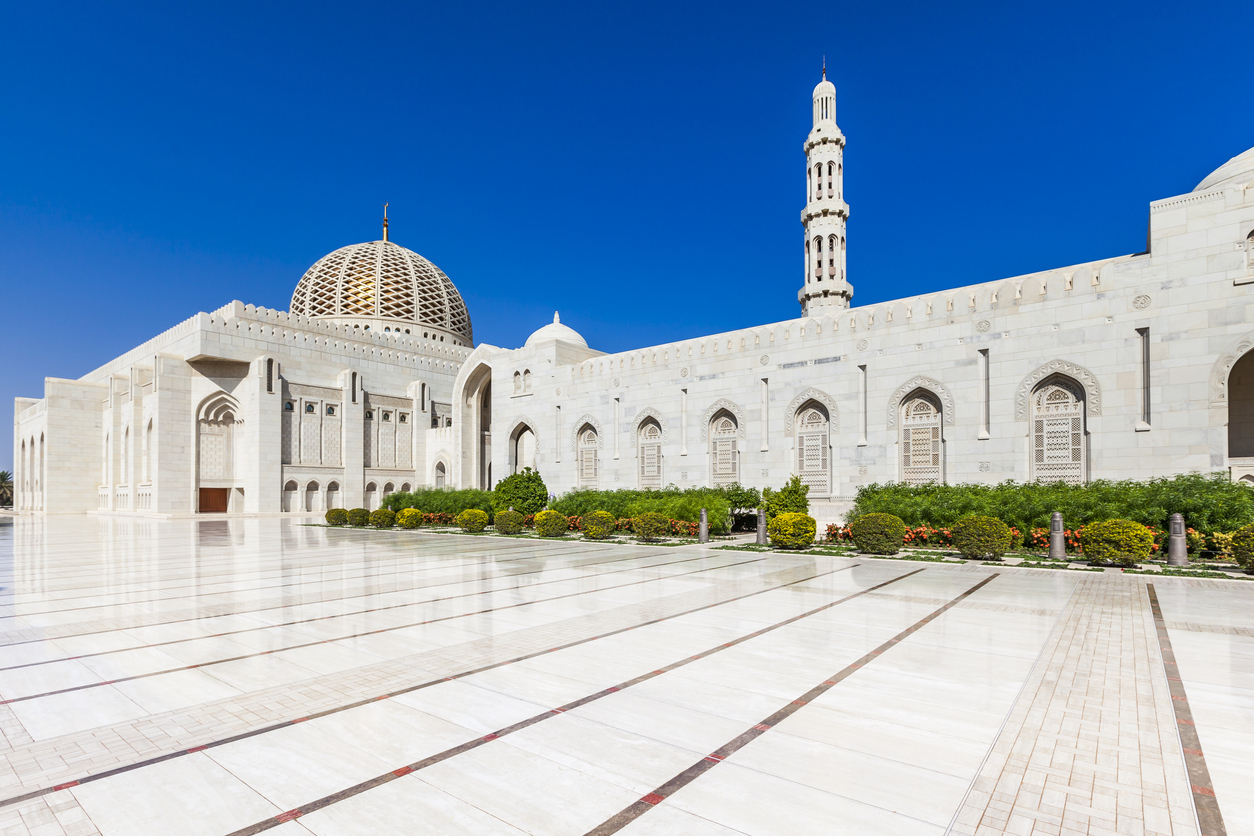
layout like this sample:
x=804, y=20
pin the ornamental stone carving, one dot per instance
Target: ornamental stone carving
x=723, y=403
x=584, y=421
x=811, y=394
x=1223, y=367
x=940, y=390
x=1092, y=389
x=862, y=345
x=647, y=413
x=1141, y=302
x=983, y=325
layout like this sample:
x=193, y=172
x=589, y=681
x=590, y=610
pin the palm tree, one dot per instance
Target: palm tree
x=6, y=488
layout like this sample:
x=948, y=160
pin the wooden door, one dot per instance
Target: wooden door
x=214, y=500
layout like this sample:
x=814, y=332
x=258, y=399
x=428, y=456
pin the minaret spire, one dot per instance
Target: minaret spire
x=385, y=222
x=826, y=212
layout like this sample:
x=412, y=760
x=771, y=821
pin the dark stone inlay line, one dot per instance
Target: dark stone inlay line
x=18, y=799
x=1204, y=801
x=384, y=608
x=378, y=780
x=637, y=809
x=364, y=633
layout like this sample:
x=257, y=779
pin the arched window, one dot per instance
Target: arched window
x=1057, y=431
x=809, y=181
x=290, y=491
x=333, y=495
x=922, y=453
x=311, y=497
x=818, y=182
x=831, y=256
x=649, y=441
x=807, y=259
x=526, y=380
x=813, y=460
x=148, y=452
x=405, y=487
x=372, y=497
x=840, y=181
x=818, y=258
x=1249, y=250
x=831, y=168
x=388, y=488
x=724, y=457
x=522, y=448
x=587, y=457
x=517, y=382
x=842, y=257
x=440, y=474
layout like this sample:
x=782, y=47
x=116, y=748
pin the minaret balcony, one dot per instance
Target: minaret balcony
x=826, y=206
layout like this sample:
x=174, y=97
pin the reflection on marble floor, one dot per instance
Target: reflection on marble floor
x=247, y=676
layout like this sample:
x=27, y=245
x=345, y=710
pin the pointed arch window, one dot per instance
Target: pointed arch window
x=813, y=448
x=831, y=256
x=1058, y=445
x=518, y=385
x=588, y=443
x=649, y=441
x=724, y=455
x=818, y=182
x=818, y=258
x=922, y=447
x=831, y=169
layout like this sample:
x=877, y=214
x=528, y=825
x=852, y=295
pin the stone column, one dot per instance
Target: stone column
x=761, y=527
x=1057, y=540
x=703, y=535
x=1177, y=543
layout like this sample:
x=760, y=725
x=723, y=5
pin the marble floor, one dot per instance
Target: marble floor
x=237, y=677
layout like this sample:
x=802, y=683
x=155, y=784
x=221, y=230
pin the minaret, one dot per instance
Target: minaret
x=826, y=212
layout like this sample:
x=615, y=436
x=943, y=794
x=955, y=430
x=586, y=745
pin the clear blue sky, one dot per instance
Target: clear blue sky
x=636, y=166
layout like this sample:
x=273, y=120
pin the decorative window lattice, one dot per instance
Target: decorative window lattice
x=812, y=451
x=387, y=444
x=331, y=442
x=921, y=454
x=370, y=442
x=291, y=438
x=1058, y=434
x=382, y=279
x=216, y=463
x=650, y=438
x=724, y=457
x=588, y=458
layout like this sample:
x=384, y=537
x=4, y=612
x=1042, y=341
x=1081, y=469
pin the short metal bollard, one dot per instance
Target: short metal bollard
x=1177, y=542
x=761, y=527
x=703, y=536
x=1057, y=540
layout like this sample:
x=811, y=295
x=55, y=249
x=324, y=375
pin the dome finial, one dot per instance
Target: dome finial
x=385, y=222
x=556, y=319
x=825, y=68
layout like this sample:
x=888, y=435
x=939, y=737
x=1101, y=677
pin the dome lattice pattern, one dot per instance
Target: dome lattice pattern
x=382, y=280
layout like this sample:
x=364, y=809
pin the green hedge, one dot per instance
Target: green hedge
x=598, y=525
x=1117, y=541
x=790, y=499
x=978, y=537
x=359, y=517
x=791, y=530
x=509, y=522
x=1209, y=503
x=551, y=524
x=1243, y=546
x=441, y=500
x=878, y=533
x=671, y=502
x=472, y=519
x=337, y=516
x=409, y=518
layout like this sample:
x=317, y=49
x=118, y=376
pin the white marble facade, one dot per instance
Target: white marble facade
x=1128, y=367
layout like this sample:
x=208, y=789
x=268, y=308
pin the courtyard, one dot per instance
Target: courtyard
x=241, y=676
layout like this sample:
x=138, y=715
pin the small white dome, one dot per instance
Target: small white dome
x=1239, y=169
x=555, y=330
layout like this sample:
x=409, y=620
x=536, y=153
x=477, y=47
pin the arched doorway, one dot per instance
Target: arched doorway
x=372, y=497
x=311, y=497
x=589, y=441
x=291, y=492
x=441, y=475
x=724, y=455
x=216, y=430
x=333, y=495
x=1241, y=408
x=813, y=448
x=922, y=450
x=649, y=453
x=1058, y=445
x=522, y=448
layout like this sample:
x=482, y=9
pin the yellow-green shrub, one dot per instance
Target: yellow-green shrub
x=650, y=526
x=383, y=518
x=977, y=537
x=791, y=530
x=409, y=518
x=1243, y=546
x=878, y=533
x=551, y=524
x=509, y=522
x=472, y=519
x=337, y=516
x=359, y=517
x=598, y=525
x=1117, y=541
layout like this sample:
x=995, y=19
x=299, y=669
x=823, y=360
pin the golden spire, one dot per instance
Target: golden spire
x=825, y=68
x=385, y=222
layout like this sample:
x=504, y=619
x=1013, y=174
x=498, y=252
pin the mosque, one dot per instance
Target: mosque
x=1127, y=367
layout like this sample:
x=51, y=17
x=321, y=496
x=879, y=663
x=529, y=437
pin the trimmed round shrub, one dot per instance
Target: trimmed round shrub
x=473, y=520
x=598, y=525
x=1242, y=546
x=551, y=524
x=509, y=522
x=878, y=533
x=651, y=525
x=976, y=537
x=359, y=517
x=524, y=492
x=383, y=518
x=1117, y=541
x=409, y=518
x=337, y=516
x=792, y=530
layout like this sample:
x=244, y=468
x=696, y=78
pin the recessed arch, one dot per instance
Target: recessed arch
x=714, y=408
x=651, y=414
x=1086, y=379
x=938, y=390
x=579, y=425
x=1058, y=437
x=811, y=394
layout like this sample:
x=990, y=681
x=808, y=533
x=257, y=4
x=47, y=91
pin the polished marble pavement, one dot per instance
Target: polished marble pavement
x=261, y=675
